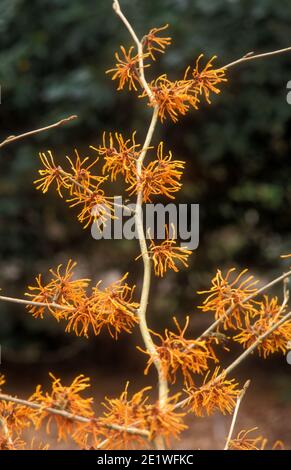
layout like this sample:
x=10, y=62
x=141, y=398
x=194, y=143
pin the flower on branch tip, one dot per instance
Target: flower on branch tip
x=269, y=313
x=49, y=174
x=120, y=155
x=229, y=298
x=205, y=80
x=64, y=398
x=152, y=43
x=213, y=395
x=160, y=177
x=172, y=98
x=244, y=442
x=112, y=308
x=62, y=289
x=176, y=353
x=126, y=69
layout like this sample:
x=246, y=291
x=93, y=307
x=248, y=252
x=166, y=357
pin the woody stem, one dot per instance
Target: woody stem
x=163, y=385
x=71, y=416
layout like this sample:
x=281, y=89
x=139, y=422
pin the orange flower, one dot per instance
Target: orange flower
x=120, y=157
x=97, y=207
x=115, y=307
x=16, y=417
x=172, y=98
x=166, y=255
x=65, y=398
x=81, y=177
x=213, y=395
x=124, y=411
x=164, y=421
x=230, y=299
x=7, y=443
x=161, y=176
x=49, y=174
x=153, y=43
x=205, y=81
x=269, y=314
x=112, y=307
x=126, y=69
x=61, y=289
x=159, y=422
x=177, y=353
x=244, y=442
x=82, y=318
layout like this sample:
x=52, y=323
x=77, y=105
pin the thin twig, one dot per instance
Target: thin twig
x=71, y=416
x=36, y=304
x=251, y=56
x=235, y=413
x=246, y=299
x=13, y=138
x=248, y=351
x=241, y=358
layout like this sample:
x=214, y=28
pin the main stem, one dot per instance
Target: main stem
x=163, y=386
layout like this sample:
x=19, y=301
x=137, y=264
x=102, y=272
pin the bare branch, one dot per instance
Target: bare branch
x=13, y=138
x=71, y=416
x=234, y=416
x=36, y=304
x=252, y=56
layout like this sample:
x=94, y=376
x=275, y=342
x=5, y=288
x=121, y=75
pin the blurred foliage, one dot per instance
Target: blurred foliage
x=53, y=57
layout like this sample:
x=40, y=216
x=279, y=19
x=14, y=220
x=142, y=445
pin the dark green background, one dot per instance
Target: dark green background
x=53, y=58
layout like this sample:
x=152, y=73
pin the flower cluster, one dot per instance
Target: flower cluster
x=167, y=254
x=162, y=422
x=66, y=299
x=120, y=155
x=62, y=289
x=261, y=320
x=127, y=67
x=112, y=307
x=84, y=189
x=64, y=398
x=177, y=353
x=160, y=177
x=173, y=98
x=14, y=420
x=215, y=394
x=230, y=299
